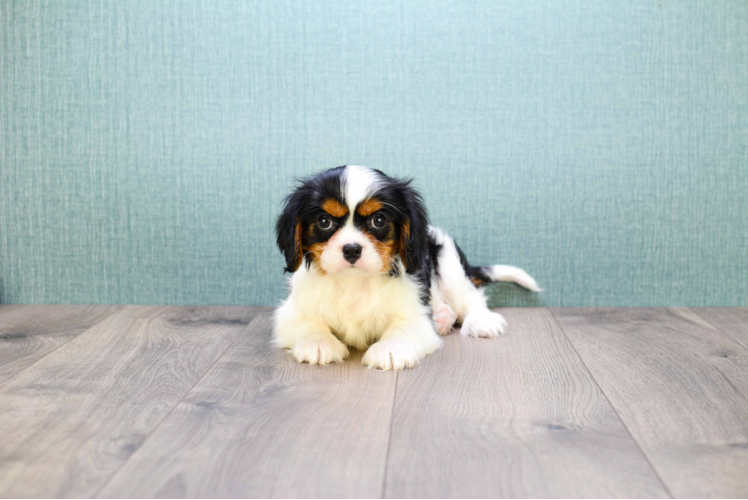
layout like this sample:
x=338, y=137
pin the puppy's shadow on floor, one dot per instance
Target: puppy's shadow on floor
x=352, y=362
x=355, y=356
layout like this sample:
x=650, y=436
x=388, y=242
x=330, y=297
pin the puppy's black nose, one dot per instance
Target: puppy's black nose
x=352, y=252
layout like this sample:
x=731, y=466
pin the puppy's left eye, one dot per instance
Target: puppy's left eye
x=378, y=221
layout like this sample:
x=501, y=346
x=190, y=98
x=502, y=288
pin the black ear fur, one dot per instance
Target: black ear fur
x=297, y=210
x=288, y=232
x=414, y=228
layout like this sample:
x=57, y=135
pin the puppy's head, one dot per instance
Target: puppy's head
x=353, y=219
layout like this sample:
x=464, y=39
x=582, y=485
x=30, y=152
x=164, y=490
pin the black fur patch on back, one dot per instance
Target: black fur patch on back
x=475, y=274
x=434, y=250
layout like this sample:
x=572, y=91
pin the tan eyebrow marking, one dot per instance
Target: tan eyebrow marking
x=334, y=207
x=369, y=206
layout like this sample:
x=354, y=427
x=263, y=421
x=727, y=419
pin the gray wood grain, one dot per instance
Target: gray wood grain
x=72, y=419
x=732, y=321
x=260, y=424
x=517, y=416
x=30, y=332
x=680, y=387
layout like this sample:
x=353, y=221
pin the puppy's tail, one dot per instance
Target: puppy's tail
x=481, y=276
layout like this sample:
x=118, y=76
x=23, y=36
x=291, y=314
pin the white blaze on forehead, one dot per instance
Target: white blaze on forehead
x=358, y=183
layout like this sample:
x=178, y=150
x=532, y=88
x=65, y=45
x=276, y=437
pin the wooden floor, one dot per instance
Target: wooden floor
x=136, y=401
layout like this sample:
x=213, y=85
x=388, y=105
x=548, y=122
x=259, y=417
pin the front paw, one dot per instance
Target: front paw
x=321, y=350
x=392, y=354
x=483, y=323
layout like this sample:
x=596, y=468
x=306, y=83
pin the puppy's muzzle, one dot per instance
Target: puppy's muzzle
x=352, y=252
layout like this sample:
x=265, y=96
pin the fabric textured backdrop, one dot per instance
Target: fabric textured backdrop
x=146, y=145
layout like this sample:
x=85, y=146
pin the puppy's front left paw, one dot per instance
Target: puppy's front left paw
x=483, y=323
x=392, y=354
x=320, y=349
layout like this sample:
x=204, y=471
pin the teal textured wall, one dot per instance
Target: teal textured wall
x=146, y=145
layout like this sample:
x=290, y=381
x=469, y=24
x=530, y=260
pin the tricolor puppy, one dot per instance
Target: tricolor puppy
x=369, y=272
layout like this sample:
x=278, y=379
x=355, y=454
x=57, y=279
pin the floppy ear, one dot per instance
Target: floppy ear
x=413, y=229
x=288, y=232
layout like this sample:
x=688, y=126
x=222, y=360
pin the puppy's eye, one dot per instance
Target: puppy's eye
x=378, y=221
x=324, y=222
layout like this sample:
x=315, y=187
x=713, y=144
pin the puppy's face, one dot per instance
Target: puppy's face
x=352, y=220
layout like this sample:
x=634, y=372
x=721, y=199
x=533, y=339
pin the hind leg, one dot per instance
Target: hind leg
x=457, y=291
x=477, y=320
x=483, y=323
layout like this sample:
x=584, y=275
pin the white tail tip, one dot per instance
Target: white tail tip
x=513, y=274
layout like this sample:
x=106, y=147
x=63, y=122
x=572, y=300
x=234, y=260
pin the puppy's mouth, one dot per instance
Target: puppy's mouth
x=353, y=268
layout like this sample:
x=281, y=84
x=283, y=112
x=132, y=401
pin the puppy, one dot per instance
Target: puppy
x=369, y=272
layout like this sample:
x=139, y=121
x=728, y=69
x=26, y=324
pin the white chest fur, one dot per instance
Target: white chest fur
x=358, y=307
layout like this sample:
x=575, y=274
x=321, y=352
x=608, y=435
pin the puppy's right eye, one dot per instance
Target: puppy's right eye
x=324, y=222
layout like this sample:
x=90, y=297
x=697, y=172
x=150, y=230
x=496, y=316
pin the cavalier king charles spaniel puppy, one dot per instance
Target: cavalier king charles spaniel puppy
x=369, y=272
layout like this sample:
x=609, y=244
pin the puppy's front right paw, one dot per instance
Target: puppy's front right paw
x=320, y=349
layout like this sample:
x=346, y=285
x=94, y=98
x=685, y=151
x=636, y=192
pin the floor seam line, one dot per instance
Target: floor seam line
x=610, y=403
x=238, y=335
x=694, y=310
x=389, y=437
x=728, y=337
x=62, y=345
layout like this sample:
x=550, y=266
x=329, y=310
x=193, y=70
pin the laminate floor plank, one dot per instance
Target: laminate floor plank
x=732, y=321
x=30, y=332
x=73, y=418
x=680, y=387
x=517, y=416
x=259, y=424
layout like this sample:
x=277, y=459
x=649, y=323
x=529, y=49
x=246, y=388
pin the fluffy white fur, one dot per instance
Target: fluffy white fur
x=361, y=307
